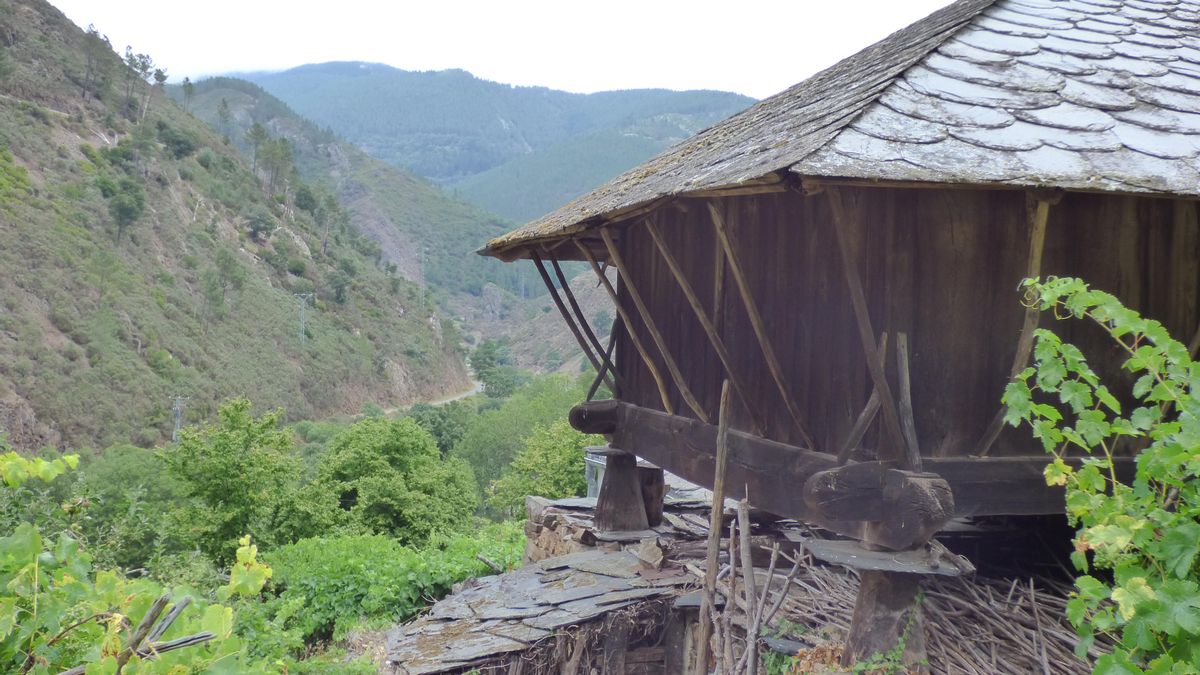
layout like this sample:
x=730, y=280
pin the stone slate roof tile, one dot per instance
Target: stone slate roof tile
x=1079, y=94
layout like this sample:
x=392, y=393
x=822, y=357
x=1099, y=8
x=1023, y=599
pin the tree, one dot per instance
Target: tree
x=306, y=199
x=189, y=90
x=96, y=51
x=226, y=276
x=391, y=479
x=139, y=67
x=446, y=423
x=237, y=474
x=256, y=135
x=550, y=465
x=223, y=116
x=126, y=205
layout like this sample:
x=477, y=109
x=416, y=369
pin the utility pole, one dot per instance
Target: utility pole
x=177, y=415
x=302, y=299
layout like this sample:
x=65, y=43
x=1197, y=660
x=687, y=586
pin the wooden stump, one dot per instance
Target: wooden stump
x=886, y=613
x=653, y=488
x=619, y=505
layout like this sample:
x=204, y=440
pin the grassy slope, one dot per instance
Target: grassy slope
x=429, y=235
x=96, y=335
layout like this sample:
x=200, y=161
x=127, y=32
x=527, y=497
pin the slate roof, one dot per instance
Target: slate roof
x=1079, y=94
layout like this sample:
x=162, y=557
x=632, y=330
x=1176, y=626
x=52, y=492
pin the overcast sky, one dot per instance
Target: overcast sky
x=755, y=48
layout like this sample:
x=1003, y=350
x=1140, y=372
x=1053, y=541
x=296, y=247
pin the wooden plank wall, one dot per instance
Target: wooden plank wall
x=940, y=265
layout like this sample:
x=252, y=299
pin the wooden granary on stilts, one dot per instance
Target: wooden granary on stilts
x=847, y=254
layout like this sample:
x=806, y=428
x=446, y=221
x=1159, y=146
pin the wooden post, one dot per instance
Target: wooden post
x=709, y=328
x=863, y=422
x=907, y=422
x=885, y=613
x=562, y=309
x=716, y=515
x=858, y=300
x=654, y=488
x=608, y=361
x=1038, y=214
x=647, y=319
x=619, y=505
x=637, y=343
x=760, y=329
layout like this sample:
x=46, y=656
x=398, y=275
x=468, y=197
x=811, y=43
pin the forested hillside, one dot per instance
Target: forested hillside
x=539, y=147
x=428, y=235
x=144, y=258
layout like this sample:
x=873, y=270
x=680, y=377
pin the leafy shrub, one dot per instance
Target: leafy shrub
x=339, y=581
x=391, y=479
x=1146, y=534
x=550, y=465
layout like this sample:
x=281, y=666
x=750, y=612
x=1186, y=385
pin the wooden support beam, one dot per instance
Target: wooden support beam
x=562, y=309
x=773, y=470
x=710, y=330
x=760, y=329
x=633, y=337
x=1038, y=213
x=908, y=423
x=863, y=422
x=648, y=320
x=713, y=546
x=601, y=354
x=617, y=324
x=858, y=300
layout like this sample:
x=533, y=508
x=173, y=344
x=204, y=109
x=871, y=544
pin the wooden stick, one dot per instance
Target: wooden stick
x=760, y=329
x=868, y=412
x=162, y=626
x=713, y=551
x=858, y=300
x=743, y=519
x=648, y=319
x=583, y=322
x=709, y=328
x=907, y=422
x=142, y=630
x=637, y=343
x=562, y=309
x=718, y=286
x=1037, y=241
x=608, y=359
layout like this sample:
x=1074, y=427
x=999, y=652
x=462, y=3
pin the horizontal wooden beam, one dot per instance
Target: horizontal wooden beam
x=775, y=472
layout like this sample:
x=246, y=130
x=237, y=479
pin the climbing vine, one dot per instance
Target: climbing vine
x=1138, y=538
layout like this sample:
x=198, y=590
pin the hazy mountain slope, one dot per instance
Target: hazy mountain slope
x=102, y=323
x=451, y=126
x=428, y=234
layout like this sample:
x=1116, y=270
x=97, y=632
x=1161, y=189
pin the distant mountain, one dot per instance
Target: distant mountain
x=429, y=235
x=143, y=258
x=517, y=151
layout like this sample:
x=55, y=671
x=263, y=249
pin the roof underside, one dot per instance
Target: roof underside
x=1078, y=94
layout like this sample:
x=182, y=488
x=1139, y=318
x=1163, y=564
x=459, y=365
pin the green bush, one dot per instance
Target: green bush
x=550, y=465
x=391, y=479
x=1144, y=536
x=340, y=581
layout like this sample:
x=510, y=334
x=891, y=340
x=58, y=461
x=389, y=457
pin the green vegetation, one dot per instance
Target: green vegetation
x=550, y=465
x=1138, y=545
x=144, y=258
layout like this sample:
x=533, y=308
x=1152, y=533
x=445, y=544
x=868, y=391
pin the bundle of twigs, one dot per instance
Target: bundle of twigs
x=144, y=642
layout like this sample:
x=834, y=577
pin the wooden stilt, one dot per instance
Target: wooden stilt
x=637, y=343
x=654, y=488
x=601, y=354
x=619, y=505
x=562, y=309
x=858, y=300
x=760, y=329
x=648, y=320
x=714, y=338
x=886, y=613
x=1039, y=214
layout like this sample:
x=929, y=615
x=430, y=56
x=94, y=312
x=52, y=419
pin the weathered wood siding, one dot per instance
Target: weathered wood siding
x=941, y=265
